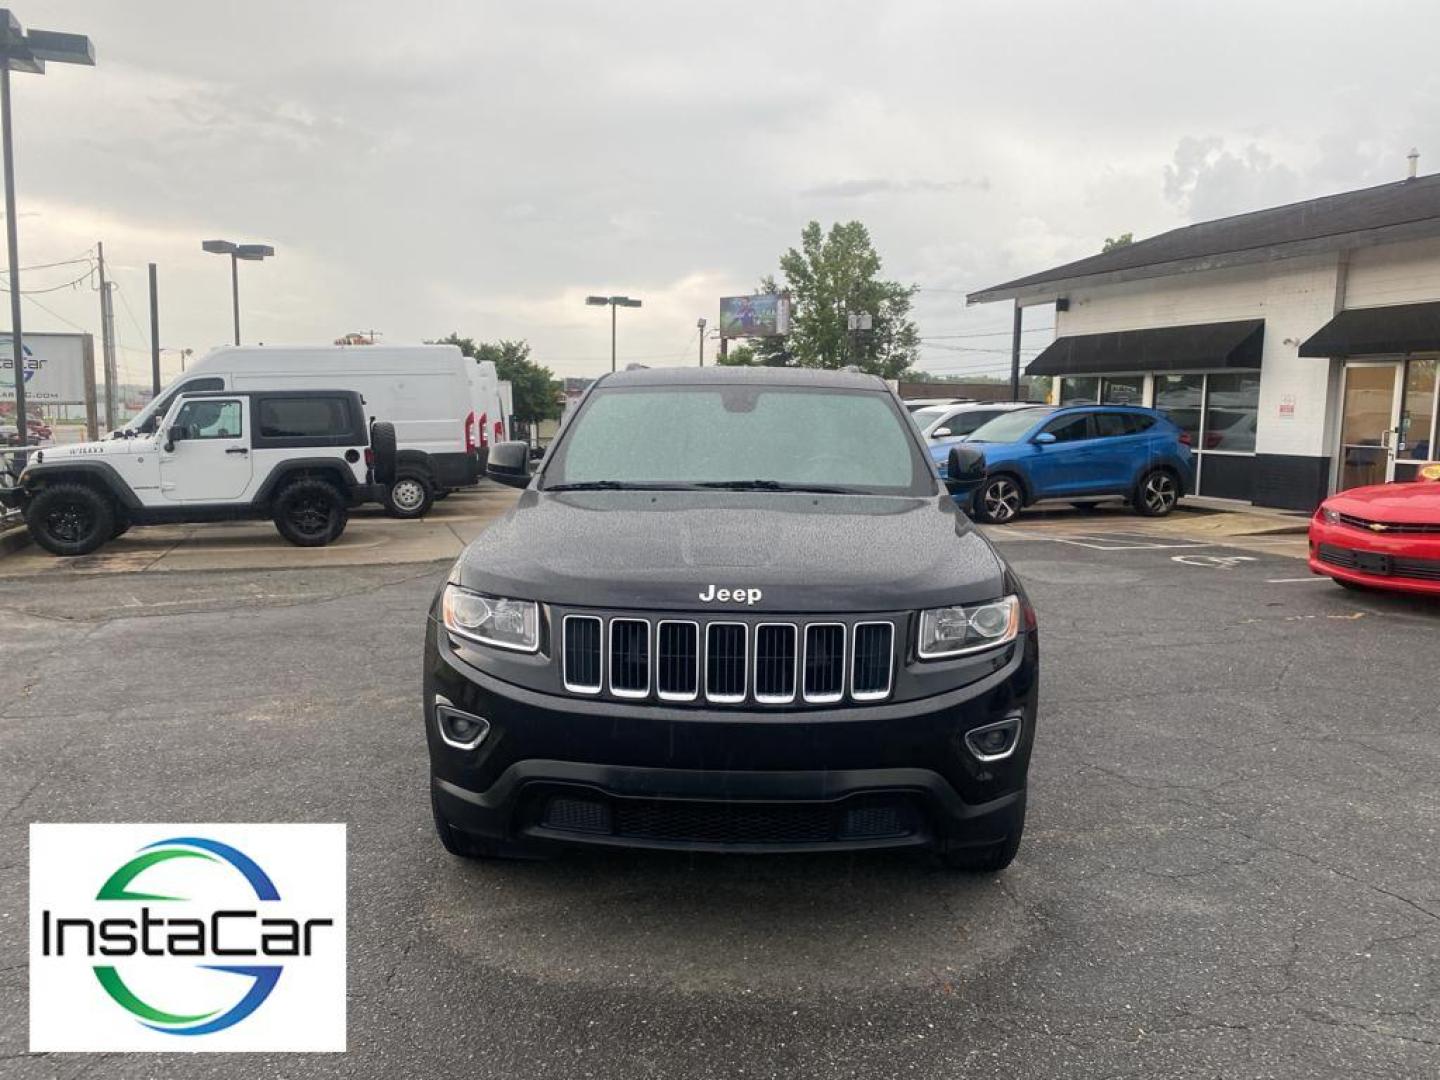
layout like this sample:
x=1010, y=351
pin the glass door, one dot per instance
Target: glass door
x=1369, y=418
x=1415, y=444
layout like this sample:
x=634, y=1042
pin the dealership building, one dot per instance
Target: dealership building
x=1298, y=345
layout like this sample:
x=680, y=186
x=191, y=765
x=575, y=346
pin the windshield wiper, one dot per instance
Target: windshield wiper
x=772, y=485
x=612, y=485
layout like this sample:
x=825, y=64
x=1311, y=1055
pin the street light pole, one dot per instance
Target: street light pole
x=21, y=51
x=249, y=252
x=613, y=302
x=12, y=244
x=700, y=325
x=235, y=293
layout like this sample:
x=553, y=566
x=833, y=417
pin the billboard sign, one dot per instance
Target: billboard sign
x=53, y=365
x=762, y=315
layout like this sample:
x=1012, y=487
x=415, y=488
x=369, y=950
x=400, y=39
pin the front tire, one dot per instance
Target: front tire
x=411, y=495
x=1157, y=493
x=999, y=499
x=70, y=519
x=310, y=513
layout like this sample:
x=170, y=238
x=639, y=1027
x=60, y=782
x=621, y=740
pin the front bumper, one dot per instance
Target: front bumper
x=564, y=770
x=1400, y=562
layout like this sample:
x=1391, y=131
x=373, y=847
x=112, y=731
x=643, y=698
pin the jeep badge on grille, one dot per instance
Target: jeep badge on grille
x=740, y=596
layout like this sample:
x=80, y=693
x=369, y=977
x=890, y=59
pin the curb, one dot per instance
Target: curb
x=12, y=540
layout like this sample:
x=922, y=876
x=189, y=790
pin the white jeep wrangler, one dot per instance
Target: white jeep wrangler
x=299, y=457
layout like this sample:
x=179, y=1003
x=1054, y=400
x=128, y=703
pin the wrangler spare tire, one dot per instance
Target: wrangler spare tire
x=382, y=442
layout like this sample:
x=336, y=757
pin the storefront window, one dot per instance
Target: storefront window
x=1417, y=414
x=1231, y=407
x=1182, y=397
x=1123, y=390
x=1079, y=391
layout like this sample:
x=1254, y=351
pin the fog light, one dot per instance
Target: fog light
x=460, y=729
x=994, y=742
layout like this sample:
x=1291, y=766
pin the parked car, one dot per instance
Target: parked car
x=735, y=610
x=950, y=423
x=1385, y=536
x=39, y=429
x=1081, y=454
x=430, y=393
x=9, y=434
x=301, y=458
x=915, y=404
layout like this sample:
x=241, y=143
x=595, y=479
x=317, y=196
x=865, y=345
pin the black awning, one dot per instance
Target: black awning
x=1377, y=330
x=1171, y=348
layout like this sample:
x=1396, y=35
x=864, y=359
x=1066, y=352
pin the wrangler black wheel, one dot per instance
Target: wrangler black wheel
x=310, y=513
x=70, y=519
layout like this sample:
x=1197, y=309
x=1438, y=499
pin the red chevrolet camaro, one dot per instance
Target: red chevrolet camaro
x=1382, y=537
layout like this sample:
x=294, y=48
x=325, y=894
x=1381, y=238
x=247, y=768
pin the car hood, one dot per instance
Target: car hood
x=1414, y=503
x=104, y=448
x=805, y=553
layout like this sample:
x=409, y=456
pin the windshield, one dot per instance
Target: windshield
x=1009, y=427
x=697, y=436
x=928, y=415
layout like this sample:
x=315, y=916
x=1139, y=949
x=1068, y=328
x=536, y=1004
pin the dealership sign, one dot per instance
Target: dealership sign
x=53, y=366
x=187, y=937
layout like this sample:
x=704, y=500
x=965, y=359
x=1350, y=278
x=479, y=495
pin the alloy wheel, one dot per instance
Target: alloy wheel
x=1159, y=492
x=310, y=516
x=70, y=522
x=1002, y=500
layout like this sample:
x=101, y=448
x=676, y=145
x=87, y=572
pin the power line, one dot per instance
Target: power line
x=992, y=333
x=53, y=288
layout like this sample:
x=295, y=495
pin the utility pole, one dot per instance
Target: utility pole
x=1015, y=353
x=700, y=323
x=107, y=339
x=12, y=240
x=154, y=335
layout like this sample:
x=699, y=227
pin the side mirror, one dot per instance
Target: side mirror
x=1045, y=438
x=509, y=464
x=940, y=433
x=175, y=433
x=964, y=469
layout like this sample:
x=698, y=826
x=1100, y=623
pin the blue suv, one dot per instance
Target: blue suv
x=1080, y=453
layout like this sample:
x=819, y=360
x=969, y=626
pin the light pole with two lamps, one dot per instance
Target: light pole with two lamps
x=22, y=51
x=613, y=302
x=248, y=252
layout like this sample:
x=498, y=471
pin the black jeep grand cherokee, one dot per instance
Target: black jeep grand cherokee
x=734, y=610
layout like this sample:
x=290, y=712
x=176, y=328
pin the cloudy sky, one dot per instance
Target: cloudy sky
x=481, y=167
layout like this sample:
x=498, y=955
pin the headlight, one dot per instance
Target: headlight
x=954, y=631
x=1332, y=517
x=493, y=620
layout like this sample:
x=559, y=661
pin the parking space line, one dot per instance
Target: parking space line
x=1102, y=542
x=1294, y=580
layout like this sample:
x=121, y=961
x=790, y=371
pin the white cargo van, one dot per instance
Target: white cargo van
x=491, y=409
x=424, y=390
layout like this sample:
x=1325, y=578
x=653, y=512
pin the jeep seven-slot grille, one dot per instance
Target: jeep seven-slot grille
x=725, y=662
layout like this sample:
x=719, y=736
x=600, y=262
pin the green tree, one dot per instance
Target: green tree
x=739, y=356
x=829, y=277
x=532, y=385
x=1113, y=242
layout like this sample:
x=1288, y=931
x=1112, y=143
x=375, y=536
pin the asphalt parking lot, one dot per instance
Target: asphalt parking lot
x=1232, y=865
